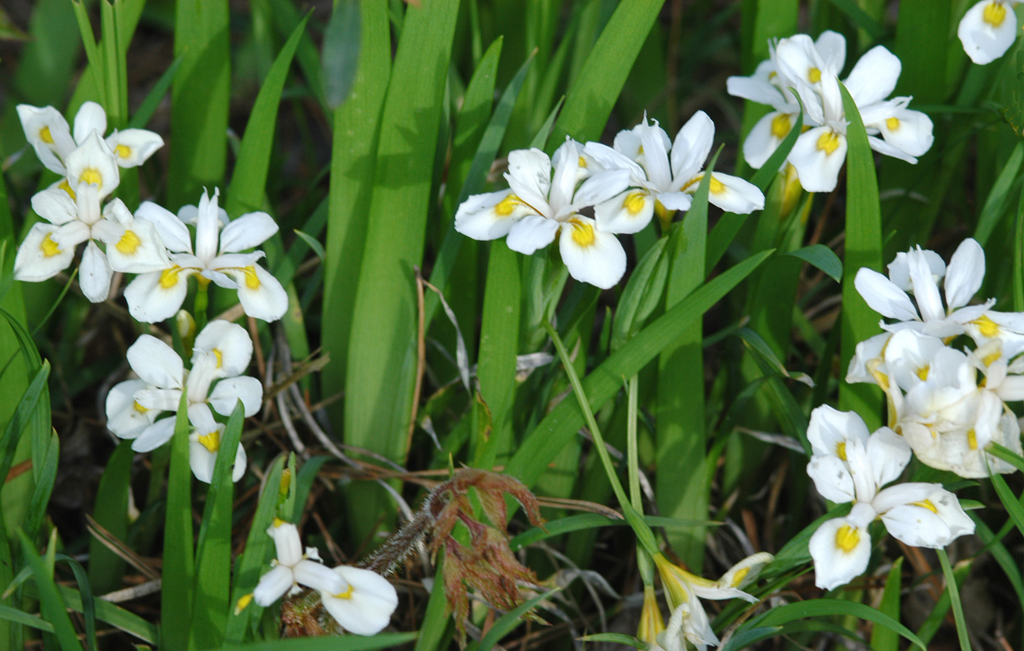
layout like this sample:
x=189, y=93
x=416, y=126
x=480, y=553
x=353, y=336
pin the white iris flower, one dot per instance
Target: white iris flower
x=664, y=174
x=48, y=133
x=988, y=29
x=361, y=601
x=537, y=207
x=849, y=465
x=221, y=353
x=217, y=256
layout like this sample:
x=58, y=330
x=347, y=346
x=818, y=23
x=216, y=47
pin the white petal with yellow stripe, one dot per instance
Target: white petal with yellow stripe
x=591, y=255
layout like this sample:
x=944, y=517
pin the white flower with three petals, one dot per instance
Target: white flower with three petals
x=988, y=29
x=920, y=271
x=361, y=601
x=217, y=256
x=48, y=133
x=849, y=465
x=221, y=353
x=666, y=173
x=538, y=206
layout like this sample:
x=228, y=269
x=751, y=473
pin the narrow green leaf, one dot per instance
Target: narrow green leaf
x=113, y=615
x=23, y=414
x=642, y=294
x=863, y=249
x=382, y=344
x=340, y=59
x=617, y=638
x=111, y=512
x=828, y=608
x=301, y=486
x=822, y=257
x=53, y=608
x=883, y=638
x=1018, y=257
x=954, y=598
x=557, y=428
x=860, y=18
x=91, y=51
x=313, y=243
x=998, y=197
x=247, y=569
x=213, y=550
x=435, y=627
x=1012, y=505
x=179, y=563
x=45, y=475
x=14, y=615
x=507, y=622
x=199, y=100
x=330, y=643
x=594, y=91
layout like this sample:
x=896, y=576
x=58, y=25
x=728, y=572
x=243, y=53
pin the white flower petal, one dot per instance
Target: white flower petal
x=273, y=585
x=765, y=137
x=598, y=188
x=367, y=609
x=207, y=226
x=200, y=459
x=610, y=159
x=590, y=255
x=926, y=292
x=884, y=148
x=229, y=391
x=735, y=195
x=883, y=296
x=628, y=212
x=42, y=255
x=156, y=363
x=286, y=541
x=229, y=343
x=987, y=30
x=888, y=455
x=675, y=200
x=531, y=233
x=248, y=231
x=173, y=231
x=867, y=351
x=158, y=399
x=94, y=274
x=818, y=155
x=655, y=160
x=135, y=248
x=832, y=478
x=841, y=550
x=259, y=292
x=908, y=131
x=691, y=146
x=55, y=206
x=318, y=577
x=158, y=295
x=829, y=427
x=155, y=435
x=94, y=164
x=529, y=176
x=874, y=76
x=125, y=419
x=133, y=147
x=90, y=117
x=490, y=216
x=48, y=133
x=965, y=273
x=831, y=46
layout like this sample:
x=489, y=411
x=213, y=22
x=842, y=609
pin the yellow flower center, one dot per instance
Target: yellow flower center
x=994, y=14
x=828, y=142
x=507, y=205
x=814, y=75
x=923, y=372
x=737, y=579
x=345, y=595
x=582, y=233
x=987, y=326
x=841, y=450
x=252, y=281
x=139, y=408
x=49, y=247
x=219, y=356
x=847, y=538
x=972, y=439
x=123, y=151
x=582, y=163
x=169, y=277
x=926, y=504
x=129, y=243
x=92, y=176
x=211, y=441
x=66, y=187
x=635, y=202
x=717, y=187
x=781, y=126
x=987, y=360
x=45, y=135
x=892, y=124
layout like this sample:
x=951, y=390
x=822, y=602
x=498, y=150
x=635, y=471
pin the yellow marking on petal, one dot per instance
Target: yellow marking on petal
x=169, y=277
x=640, y=152
x=923, y=372
x=582, y=233
x=841, y=450
x=781, y=126
x=219, y=356
x=987, y=326
x=252, y=281
x=211, y=441
x=772, y=75
x=66, y=187
x=45, y=135
x=635, y=202
x=129, y=243
x=507, y=205
x=828, y=142
x=717, y=187
x=847, y=538
x=987, y=360
x=345, y=595
x=892, y=124
x=243, y=603
x=814, y=75
x=926, y=504
x=49, y=247
x=92, y=176
x=278, y=522
x=123, y=151
x=582, y=162
x=994, y=14
x=139, y=408
x=881, y=378
x=972, y=439
x=740, y=575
